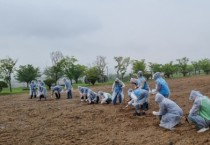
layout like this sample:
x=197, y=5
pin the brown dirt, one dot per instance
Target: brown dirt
x=25, y=121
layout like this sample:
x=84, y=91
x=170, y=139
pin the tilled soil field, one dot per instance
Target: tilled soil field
x=25, y=121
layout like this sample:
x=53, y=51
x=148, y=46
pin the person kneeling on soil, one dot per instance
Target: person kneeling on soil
x=57, y=91
x=83, y=91
x=169, y=113
x=200, y=111
x=138, y=99
x=42, y=92
x=105, y=97
x=92, y=97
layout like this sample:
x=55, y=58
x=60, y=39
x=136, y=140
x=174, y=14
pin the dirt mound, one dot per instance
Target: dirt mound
x=25, y=121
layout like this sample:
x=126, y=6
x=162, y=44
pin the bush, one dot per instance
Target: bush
x=49, y=82
x=3, y=85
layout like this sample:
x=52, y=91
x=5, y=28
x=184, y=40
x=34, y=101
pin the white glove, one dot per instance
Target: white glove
x=129, y=103
x=155, y=113
x=126, y=106
x=153, y=91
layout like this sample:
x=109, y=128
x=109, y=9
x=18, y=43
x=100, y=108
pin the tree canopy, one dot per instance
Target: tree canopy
x=27, y=73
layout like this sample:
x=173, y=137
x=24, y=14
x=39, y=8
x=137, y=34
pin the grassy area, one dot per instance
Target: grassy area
x=20, y=90
x=6, y=91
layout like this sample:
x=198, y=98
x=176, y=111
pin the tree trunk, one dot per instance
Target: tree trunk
x=10, y=86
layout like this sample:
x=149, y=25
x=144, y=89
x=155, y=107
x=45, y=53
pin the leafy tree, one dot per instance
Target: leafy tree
x=7, y=67
x=27, y=73
x=155, y=67
x=205, y=65
x=183, y=65
x=148, y=75
x=122, y=65
x=100, y=64
x=78, y=71
x=3, y=85
x=176, y=69
x=168, y=69
x=196, y=66
x=68, y=66
x=49, y=82
x=92, y=75
x=138, y=65
x=190, y=69
x=56, y=70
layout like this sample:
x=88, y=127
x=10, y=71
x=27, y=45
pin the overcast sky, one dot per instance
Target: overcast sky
x=155, y=30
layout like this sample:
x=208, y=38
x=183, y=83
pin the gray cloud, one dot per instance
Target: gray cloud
x=158, y=31
x=43, y=21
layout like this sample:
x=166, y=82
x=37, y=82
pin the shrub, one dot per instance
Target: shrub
x=3, y=85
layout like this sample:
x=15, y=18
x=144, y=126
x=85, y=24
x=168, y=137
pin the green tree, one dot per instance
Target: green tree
x=100, y=64
x=73, y=70
x=205, y=65
x=78, y=71
x=196, y=66
x=155, y=67
x=122, y=65
x=49, y=82
x=92, y=75
x=27, y=73
x=68, y=66
x=190, y=69
x=7, y=67
x=168, y=69
x=56, y=70
x=182, y=63
x=138, y=65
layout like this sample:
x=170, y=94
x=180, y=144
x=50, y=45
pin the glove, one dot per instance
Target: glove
x=155, y=113
x=153, y=91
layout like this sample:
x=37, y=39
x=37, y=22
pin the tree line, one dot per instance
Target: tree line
x=67, y=66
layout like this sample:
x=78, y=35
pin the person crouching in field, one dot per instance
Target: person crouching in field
x=142, y=82
x=105, y=97
x=83, y=91
x=42, y=92
x=32, y=89
x=169, y=113
x=135, y=83
x=117, y=89
x=57, y=91
x=161, y=85
x=200, y=111
x=138, y=99
x=92, y=97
